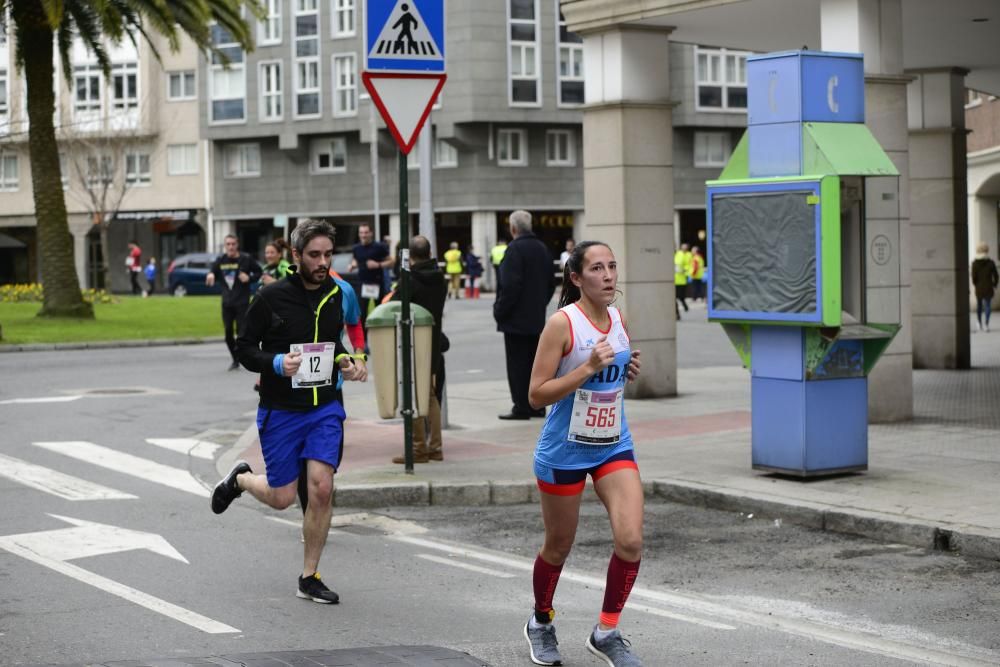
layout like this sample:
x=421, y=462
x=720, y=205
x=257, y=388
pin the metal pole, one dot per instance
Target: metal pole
x=425, y=147
x=373, y=154
x=405, y=324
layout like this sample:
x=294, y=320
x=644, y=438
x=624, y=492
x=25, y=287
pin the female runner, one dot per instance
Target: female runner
x=583, y=362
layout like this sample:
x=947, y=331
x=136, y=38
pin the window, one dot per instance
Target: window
x=560, y=148
x=512, y=148
x=4, y=98
x=8, y=172
x=87, y=89
x=306, y=52
x=445, y=155
x=345, y=85
x=182, y=159
x=721, y=79
x=973, y=98
x=570, y=57
x=227, y=86
x=343, y=18
x=329, y=155
x=180, y=86
x=272, y=106
x=711, y=149
x=124, y=86
x=524, y=66
x=137, y=169
x=269, y=28
x=242, y=160
x=100, y=171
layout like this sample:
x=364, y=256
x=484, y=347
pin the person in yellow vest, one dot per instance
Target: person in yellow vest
x=697, y=274
x=496, y=256
x=453, y=267
x=682, y=262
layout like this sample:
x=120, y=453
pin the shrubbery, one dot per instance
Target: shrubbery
x=33, y=292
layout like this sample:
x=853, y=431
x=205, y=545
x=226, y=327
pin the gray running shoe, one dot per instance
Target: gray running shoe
x=614, y=650
x=543, y=644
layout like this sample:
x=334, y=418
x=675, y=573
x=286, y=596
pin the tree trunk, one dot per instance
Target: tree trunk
x=55, y=243
x=105, y=253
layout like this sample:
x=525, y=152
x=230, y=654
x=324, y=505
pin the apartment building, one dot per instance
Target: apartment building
x=130, y=157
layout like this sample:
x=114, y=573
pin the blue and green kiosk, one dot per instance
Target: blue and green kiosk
x=797, y=223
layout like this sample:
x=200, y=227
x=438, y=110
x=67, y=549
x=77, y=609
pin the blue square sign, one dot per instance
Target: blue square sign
x=405, y=35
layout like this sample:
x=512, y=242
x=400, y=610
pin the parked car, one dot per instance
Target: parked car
x=186, y=275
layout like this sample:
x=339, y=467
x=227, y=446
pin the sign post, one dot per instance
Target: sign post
x=404, y=73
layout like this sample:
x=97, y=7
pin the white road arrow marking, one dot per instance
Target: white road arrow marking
x=56, y=483
x=201, y=449
x=128, y=464
x=44, y=399
x=53, y=547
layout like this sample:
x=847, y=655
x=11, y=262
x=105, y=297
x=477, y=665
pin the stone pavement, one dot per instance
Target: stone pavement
x=932, y=482
x=404, y=656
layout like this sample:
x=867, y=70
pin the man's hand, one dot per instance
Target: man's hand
x=373, y=264
x=244, y=277
x=267, y=279
x=634, y=365
x=354, y=370
x=210, y=279
x=290, y=363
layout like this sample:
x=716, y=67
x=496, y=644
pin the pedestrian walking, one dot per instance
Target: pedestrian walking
x=428, y=289
x=564, y=257
x=277, y=266
x=371, y=258
x=133, y=264
x=235, y=271
x=523, y=292
x=150, y=273
x=453, y=267
x=473, y=272
x=584, y=360
x=984, y=280
x=292, y=337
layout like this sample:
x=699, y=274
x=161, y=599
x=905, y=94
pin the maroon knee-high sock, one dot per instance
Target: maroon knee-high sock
x=621, y=577
x=545, y=578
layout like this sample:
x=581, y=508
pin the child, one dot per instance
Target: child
x=150, y=272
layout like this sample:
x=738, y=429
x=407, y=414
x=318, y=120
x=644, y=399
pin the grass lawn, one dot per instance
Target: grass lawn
x=132, y=318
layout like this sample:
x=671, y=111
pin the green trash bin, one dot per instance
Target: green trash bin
x=385, y=348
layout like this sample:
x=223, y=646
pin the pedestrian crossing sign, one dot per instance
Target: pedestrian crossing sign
x=405, y=35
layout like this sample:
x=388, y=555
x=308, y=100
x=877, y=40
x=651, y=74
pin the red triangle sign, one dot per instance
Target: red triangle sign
x=405, y=101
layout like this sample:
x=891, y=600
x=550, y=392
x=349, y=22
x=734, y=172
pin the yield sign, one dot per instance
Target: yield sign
x=405, y=101
x=52, y=548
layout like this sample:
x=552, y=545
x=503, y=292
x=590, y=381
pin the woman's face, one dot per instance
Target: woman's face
x=598, y=280
x=271, y=254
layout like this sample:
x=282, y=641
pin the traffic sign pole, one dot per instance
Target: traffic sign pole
x=405, y=323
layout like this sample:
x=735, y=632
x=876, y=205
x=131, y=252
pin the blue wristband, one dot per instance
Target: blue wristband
x=278, y=364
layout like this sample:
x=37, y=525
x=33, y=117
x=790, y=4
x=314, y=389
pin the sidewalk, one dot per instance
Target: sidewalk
x=932, y=482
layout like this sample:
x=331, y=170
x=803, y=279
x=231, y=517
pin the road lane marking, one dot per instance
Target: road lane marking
x=57, y=483
x=112, y=459
x=871, y=640
x=43, y=399
x=466, y=566
x=200, y=449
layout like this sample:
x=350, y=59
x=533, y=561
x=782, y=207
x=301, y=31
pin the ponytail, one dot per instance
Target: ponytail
x=570, y=292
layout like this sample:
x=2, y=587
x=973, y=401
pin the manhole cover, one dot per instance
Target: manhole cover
x=114, y=392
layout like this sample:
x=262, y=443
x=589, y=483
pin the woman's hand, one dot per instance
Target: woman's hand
x=634, y=365
x=602, y=355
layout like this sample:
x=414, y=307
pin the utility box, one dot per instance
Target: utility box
x=384, y=361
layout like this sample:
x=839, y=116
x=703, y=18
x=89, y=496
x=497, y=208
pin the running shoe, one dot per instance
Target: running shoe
x=313, y=588
x=227, y=490
x=613, y=649
x=543, y=644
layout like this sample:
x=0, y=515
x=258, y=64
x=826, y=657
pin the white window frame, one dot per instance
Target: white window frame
x=135, y=176
x=91, y=72
x=316, y=148
x=216, y=67
x=575, y=51
x=522, y=45
x=306, y=8
x=707, y=162
x=339, y=86
x=451, y=150
x=9, y=183
x=705, y=78
x=182, y=150
x=126, y=71
x=183, y=76
x=270, y=23
x=244, y=170
x=522, y=139
x=264, y=93
x=555, y=160
x=100, y=171
x=5, y=99
x=343, y=9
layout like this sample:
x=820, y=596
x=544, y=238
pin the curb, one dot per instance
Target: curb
x=107, y=345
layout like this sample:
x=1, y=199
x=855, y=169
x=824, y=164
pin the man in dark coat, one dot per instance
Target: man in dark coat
x=525, y=287
x=428, y=289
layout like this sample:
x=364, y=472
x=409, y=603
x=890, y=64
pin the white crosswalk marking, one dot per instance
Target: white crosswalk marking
x=128, y=464
x=201, y=449
x=57, y=483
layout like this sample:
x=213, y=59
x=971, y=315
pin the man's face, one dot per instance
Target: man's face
x=232, y=247
x=314, y=262
x=365, y=234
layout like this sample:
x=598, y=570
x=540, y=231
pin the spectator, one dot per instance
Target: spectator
x=453, y=267
x=564, y=257
x=474, y=272
x=496, y=256
x=133, y=263
x=150, y=272
x=984, y=279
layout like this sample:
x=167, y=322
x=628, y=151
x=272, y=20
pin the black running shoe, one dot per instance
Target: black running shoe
x=313, y=588
x=227, y=490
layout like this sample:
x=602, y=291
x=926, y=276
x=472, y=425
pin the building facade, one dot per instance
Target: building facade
x=130, y=157
x=982, y=120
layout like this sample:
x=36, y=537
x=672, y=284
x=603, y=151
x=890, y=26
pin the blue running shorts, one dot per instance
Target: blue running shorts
x=288, y=436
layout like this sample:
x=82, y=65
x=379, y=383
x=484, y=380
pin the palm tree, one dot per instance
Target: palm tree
x=40, y=27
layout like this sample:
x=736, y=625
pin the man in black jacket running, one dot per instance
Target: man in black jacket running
x=291, y=336
x=236, y=271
